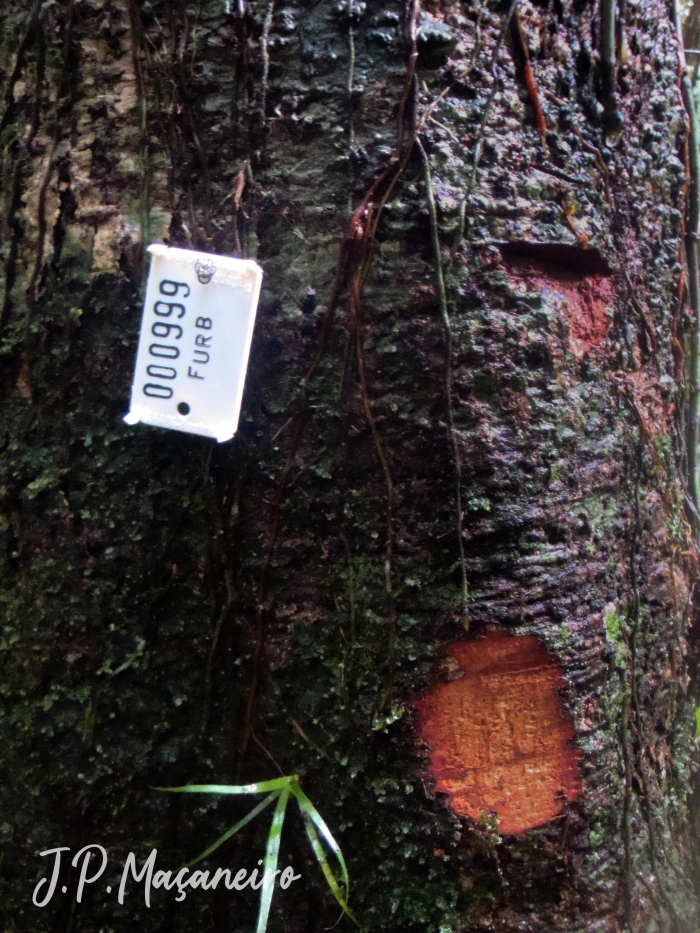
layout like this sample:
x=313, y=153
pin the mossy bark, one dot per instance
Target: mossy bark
x=176, y=610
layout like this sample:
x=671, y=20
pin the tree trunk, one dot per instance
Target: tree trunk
x=444, y=571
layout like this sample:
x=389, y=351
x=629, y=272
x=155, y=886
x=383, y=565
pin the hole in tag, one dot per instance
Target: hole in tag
x=183, y=408
x=205, y=271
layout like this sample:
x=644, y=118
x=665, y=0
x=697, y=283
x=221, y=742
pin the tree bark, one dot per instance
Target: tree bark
x=444, y=571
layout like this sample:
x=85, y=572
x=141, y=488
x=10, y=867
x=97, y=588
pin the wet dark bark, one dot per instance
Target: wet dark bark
x=463, y=416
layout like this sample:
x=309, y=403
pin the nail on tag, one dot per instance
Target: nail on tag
x=194, y=342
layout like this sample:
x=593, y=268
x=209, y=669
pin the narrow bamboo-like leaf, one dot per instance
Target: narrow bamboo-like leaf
x=239, y=825
x=270, y=866
x=310, y=811
x=325, y=867
x=263, y=787
x=279, y=789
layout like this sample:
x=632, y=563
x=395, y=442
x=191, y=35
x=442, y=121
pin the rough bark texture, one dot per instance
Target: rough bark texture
x=176, y=610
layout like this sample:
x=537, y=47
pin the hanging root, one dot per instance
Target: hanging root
x=600, y=161
x=265, y=53
x=613, y=121
x=442, y=300
x=353, y=266
x=693, y=279
x=492, y=95
x=388, y=562
x=522, y=53
x=568, y=210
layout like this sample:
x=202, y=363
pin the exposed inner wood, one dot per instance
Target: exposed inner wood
x=583, y=298
x=499, y=737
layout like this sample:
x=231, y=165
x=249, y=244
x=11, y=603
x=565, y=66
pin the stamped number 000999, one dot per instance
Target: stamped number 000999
x=194, y=342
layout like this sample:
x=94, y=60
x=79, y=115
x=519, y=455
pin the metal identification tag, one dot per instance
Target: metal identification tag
x=194, y=342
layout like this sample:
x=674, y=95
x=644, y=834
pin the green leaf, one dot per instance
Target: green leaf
x=326, y=868
x=263, y=787
x=310, y=811
x=239, y=825
x=312, y=819
x=270, y=866
x=280, y=790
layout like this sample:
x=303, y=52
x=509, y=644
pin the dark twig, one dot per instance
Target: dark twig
x=212, y=655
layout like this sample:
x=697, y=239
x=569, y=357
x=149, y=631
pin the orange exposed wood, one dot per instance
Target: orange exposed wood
x=500, y=739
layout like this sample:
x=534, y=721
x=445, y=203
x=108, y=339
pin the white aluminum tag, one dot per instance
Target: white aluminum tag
x=194, y=342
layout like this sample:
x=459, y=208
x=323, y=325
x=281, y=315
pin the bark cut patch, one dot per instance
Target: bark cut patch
x=584, y=299
x=500, y=739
